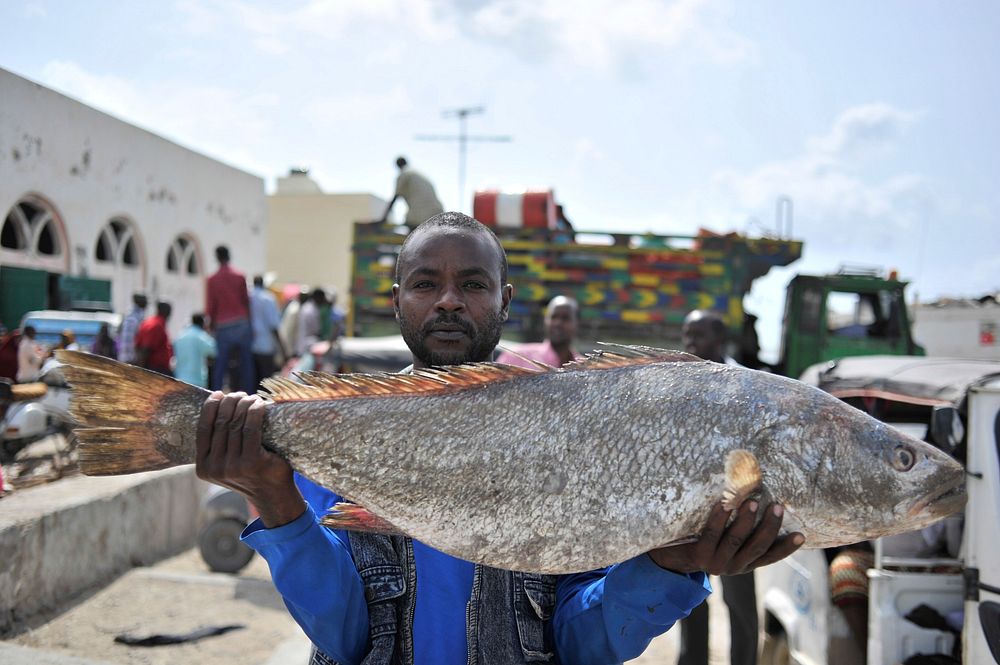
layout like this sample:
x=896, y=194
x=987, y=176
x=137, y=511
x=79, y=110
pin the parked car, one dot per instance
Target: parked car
x=954, y=404
x=50, y=323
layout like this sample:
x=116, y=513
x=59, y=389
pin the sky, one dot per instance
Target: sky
x=878, y=120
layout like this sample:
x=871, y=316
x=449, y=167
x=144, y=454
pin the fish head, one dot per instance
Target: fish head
x=862, y=479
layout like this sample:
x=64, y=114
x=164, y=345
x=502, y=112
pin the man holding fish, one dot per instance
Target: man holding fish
x=380, y=597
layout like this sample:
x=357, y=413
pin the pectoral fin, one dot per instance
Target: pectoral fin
x=352, y=517
x=742, y=478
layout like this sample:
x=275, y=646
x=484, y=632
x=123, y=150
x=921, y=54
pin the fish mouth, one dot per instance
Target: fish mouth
x=949, y=500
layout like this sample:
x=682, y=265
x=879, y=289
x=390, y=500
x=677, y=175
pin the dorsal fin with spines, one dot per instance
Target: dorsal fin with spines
x=320, y=386
x=622, y=355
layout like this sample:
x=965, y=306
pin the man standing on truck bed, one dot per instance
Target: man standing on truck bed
x=417, y=191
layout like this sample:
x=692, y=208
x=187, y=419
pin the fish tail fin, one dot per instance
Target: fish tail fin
x=129, y=419
x=352, y=517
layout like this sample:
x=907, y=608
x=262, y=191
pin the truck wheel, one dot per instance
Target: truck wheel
x=775, y=651
x=220, y=546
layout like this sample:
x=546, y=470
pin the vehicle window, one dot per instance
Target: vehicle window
x=812, y=301
x=855, y=315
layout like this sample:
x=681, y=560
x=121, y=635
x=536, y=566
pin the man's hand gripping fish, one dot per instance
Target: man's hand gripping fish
x=549, y=470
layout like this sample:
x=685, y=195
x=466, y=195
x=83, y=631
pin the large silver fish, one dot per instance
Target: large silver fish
x=546, y=470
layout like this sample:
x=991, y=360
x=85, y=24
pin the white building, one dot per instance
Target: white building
x=959, y=328
x=84, y=194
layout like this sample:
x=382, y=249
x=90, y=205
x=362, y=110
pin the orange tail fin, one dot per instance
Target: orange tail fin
x=129, y=419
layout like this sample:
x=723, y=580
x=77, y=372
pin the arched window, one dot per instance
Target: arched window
x=33, y=234
x=116, y=244
x=31, y=227
x=182, y=257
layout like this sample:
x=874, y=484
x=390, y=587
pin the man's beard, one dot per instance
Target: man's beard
x=483, y=340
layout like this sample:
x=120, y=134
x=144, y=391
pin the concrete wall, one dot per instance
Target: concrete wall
x=60, y=539
x=90, y=167
x=309, y=234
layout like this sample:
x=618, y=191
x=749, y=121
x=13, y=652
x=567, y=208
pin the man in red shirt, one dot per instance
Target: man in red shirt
x=227, y=303
x=152, y=343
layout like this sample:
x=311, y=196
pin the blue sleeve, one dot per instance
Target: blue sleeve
x=208, y=345
x=273, y=317
x=611, y=616
x=312, y=569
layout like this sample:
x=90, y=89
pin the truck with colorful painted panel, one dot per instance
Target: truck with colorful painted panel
x=632, y=288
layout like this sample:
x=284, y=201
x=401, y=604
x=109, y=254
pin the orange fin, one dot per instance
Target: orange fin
x=742, y=478
x=320, y=386
x=621, y=355
x=128, y=419
x=353, y=517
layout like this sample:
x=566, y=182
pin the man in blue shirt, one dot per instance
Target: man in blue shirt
x=389, y=599
x=265, y=320
x=191, y=352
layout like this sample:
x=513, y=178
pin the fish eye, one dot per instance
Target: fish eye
x=903, y=458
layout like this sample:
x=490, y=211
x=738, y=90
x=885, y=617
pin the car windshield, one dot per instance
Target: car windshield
x=48, y=330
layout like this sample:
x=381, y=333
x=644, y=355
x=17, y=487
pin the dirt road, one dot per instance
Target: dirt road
x=181, y=595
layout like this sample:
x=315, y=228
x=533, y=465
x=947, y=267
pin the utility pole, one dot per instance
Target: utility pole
x=463, y=138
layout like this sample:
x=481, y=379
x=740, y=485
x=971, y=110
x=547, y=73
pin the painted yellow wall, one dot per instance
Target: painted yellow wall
x=309, y=237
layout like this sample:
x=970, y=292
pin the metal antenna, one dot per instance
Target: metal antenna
x=463, y=138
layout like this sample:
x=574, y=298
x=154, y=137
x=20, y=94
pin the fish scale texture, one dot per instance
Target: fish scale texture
x=571, y=471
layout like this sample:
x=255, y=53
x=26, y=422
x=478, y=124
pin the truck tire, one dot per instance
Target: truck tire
x=220, y=546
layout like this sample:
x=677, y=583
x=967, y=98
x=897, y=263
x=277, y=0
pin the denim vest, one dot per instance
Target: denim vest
x=505, y=618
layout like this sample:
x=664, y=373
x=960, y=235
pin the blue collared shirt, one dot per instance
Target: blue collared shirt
x=601, y=616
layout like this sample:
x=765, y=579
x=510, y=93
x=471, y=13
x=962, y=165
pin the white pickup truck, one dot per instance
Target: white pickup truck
x=956, y=405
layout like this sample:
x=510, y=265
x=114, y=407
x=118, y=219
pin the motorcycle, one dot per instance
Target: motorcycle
x=30, y=412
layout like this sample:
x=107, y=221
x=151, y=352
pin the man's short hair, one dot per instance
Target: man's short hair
x=198, y=319
x=258, y=281
x=140, y=300
x=222, y=254
x=29, y=331
x=401, y=162
x=460, y=222
x=560, y=301
x=163, y=308
x=714, y=319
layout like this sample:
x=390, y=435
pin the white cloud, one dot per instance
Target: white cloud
x=831, y=195
x=606, y=35
x=861, y=131
x=276, y=30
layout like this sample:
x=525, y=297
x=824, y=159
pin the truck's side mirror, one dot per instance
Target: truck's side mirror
x=947, y=430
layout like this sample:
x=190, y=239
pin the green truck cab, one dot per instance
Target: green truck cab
x=850, y=313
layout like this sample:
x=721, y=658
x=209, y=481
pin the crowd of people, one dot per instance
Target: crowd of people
x=244, y=335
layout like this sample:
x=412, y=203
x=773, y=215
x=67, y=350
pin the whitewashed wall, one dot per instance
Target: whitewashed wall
x=91, y=167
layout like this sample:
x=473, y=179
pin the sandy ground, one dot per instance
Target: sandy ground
x=181, y=595
x=178, y=595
